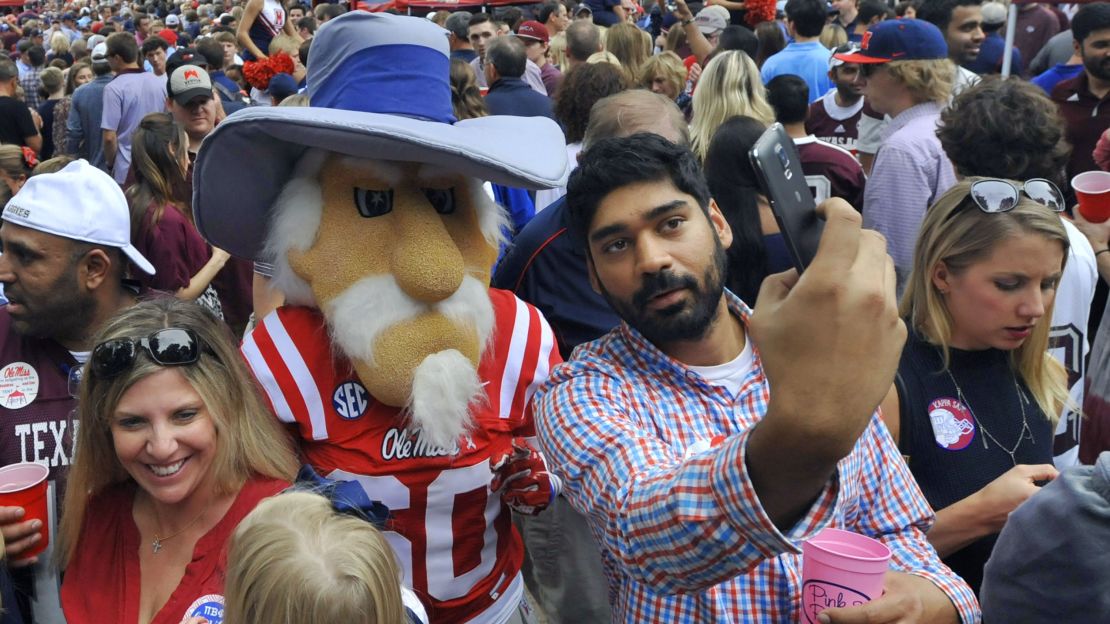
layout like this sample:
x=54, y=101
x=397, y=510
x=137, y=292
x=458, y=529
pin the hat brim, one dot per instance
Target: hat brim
x=243, y=165
x=862, y=59
x=138, y=259
x=187, y=96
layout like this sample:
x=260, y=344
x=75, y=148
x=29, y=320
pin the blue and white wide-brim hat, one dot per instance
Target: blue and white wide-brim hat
x=379, y=89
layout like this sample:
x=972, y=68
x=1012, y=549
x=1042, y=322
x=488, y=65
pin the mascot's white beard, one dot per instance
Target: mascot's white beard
x=445, y=384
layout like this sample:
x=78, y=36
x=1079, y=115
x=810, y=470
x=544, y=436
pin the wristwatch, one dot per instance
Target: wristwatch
x=686, y=22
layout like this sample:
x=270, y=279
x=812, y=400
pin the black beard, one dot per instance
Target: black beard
x=683, y=321
x=1098, y=68
x=63, y=315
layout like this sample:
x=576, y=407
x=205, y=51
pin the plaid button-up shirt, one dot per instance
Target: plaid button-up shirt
x=654, y=457
x=31, y=81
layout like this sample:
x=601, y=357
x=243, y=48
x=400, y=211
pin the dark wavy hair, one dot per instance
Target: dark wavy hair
x=582, y=87
x=732, y=182
x=616, y=162
x=1005, y=129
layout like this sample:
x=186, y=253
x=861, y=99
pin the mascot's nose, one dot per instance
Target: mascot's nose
x=425, y=260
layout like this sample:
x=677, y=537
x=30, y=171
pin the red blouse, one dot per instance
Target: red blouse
x=102, y=581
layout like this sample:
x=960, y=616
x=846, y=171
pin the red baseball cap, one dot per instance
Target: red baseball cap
x=533, y=30
x=169, y=36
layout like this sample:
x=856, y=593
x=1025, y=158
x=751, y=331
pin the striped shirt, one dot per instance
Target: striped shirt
x=911, y=171
x=452, y=535
x=654, y=457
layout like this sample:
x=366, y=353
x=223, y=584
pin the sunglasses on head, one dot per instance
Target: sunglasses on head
x=993, y=195
x=166, y=347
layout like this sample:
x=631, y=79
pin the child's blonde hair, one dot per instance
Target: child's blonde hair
x=295, y=560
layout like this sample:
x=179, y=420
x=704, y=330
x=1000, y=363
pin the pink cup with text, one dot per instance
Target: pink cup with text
x=841, y=569
x=1092, y=189
x=24, y=485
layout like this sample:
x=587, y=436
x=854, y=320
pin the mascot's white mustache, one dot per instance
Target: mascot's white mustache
x=445, y=383
x=374, y=304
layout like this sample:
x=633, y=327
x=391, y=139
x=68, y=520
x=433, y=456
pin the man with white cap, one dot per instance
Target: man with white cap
x=67, y=242
x=83, y=135
x=394, y=362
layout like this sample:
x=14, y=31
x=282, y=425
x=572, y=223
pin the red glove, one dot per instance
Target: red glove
x=520, y=474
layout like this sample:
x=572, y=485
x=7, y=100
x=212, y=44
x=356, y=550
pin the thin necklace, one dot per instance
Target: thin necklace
x=156, y=544
x=1026, y=432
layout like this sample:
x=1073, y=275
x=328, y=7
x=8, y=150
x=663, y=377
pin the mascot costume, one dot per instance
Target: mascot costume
x=393, y=361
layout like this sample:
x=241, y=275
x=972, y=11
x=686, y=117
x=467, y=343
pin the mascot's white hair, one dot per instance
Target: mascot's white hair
x=445, y=384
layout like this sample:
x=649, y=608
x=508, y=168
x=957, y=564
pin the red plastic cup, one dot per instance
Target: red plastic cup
x=24, y=485
x=841, y=569
x=1092, y=189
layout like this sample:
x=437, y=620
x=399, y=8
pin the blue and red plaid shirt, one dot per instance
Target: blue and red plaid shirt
x=654, y=457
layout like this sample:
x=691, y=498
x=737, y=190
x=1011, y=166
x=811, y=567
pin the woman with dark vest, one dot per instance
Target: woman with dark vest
x=977, y=395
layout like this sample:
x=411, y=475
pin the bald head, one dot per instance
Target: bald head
x=631, y=112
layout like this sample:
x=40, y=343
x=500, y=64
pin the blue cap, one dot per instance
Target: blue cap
x=899, y=40
x=282, y=85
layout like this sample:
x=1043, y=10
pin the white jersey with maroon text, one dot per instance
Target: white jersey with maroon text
x=453, y=536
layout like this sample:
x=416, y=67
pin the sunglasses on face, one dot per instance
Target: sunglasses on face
x=868, y=69
x=993, y=195
x=166, y=347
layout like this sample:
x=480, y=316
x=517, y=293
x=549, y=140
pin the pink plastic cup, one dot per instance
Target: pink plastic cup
x=24, y=485
x=841, y=569
x=1092, y=189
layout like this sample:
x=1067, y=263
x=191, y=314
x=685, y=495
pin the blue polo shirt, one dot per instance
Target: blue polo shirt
x=809, y=61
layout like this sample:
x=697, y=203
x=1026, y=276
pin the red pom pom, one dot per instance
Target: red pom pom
x=281, y=63
x=259, y=73
x=759, y=11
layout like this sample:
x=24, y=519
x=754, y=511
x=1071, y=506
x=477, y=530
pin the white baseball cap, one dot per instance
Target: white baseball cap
x=100, y=53
x=79, y=202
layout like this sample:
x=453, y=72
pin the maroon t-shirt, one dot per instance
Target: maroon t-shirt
x=173, y=246
x=35, y=405
x=1086, y=118
x=835, y=124
x=831, y=171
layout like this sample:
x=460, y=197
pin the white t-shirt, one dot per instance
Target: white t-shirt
x=729, y=375
x=1068, y=341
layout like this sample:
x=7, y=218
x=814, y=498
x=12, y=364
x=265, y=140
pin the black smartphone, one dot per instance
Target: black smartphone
x=779, y=169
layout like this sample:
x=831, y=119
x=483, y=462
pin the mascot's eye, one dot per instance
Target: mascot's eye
x=373, y=203
x=443, y=200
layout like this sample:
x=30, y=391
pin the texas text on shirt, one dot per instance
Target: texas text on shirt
x=654, y=456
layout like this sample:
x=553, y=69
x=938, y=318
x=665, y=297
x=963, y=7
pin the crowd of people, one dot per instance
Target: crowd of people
x=337, y=313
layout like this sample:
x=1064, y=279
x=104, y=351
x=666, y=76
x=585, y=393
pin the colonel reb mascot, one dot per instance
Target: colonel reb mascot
x=394, y=361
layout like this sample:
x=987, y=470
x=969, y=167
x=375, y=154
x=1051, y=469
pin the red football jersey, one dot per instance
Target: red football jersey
x=452, y=534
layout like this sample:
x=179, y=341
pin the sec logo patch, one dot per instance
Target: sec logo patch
x=953, y=424
x=350, y=400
